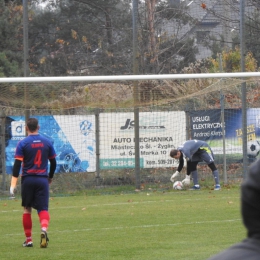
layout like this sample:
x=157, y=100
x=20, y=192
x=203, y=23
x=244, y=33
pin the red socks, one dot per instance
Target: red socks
x=27, y=226
x=44, y=219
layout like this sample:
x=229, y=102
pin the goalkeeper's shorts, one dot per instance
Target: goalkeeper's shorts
x=204, y=154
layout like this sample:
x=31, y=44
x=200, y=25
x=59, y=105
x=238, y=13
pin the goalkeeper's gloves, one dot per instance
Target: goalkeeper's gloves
x=186, y=181
x=174, y=176
x=13, y=185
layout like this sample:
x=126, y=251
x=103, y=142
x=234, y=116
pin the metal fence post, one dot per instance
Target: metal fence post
x=136, y=95
x=243, y=86
x=222, y=106
x=2, y=145
x=97, y=113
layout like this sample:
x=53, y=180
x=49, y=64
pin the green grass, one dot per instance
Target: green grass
x=149, y=224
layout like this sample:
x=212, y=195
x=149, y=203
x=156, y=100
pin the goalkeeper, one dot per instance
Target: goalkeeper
x=194, y=151
x=33, y=153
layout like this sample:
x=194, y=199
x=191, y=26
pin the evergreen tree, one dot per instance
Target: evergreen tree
x=252, y=32
x=80, y=38
x=11, y=50
x=85, y=37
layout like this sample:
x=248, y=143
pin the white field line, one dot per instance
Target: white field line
x=117, y=204
x=128, y=227
x=134, y=227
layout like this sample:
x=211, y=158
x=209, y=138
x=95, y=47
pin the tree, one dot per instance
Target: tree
x=8, y=68
x=161, y=50
x=81, y=38
x=231, y=61
x=10, y=39
x=232, y=57
x=252, y=32
x=252, y=27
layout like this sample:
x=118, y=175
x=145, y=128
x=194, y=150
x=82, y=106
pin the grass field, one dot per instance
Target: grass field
x=150, y=224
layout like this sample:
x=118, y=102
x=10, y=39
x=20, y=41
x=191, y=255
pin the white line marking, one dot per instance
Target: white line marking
x=133, y=227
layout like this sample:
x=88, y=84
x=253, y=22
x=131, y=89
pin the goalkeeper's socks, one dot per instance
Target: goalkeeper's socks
x=194, y=175
x=216, y=176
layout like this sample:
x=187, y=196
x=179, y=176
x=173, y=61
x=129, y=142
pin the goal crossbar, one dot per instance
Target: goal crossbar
x=131, y=77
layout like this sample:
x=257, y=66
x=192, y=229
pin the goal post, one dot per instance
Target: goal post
x=131, y=77
x=91, y=121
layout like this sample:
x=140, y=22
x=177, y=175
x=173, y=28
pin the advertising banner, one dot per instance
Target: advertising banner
x=207, y=125
x=159, y=133
x=73, y=138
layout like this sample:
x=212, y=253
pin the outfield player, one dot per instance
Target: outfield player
x=249, y=248
x=33, y=153
x=194, y=151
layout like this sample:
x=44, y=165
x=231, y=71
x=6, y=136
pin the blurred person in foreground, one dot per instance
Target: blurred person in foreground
x=249, y=248
x=194, y=151
x=33, y=153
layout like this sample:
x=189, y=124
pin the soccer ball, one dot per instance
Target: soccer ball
x=177, y=185
x=253, y=148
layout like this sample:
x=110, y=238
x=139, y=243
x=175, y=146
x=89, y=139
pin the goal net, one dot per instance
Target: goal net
x=91, y=122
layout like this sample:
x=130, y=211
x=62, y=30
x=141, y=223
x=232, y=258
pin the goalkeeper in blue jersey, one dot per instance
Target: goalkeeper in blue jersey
x=33, y=153
x=194, y=151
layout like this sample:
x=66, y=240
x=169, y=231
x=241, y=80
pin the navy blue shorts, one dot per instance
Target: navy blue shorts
x=35, y=192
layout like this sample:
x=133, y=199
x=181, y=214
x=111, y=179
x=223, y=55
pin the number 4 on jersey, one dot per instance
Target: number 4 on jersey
x=38, y=158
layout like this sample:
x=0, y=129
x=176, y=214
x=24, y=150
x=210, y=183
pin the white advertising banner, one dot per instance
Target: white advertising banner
x=78, y=142
x=159, y=133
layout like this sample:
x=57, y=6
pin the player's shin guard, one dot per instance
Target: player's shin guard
x=194, y=175
x=44, y=218
x=27, y=226
x=216, y=176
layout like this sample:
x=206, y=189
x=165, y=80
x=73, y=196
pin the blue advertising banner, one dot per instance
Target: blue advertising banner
x=206, y=125
x=73, y=138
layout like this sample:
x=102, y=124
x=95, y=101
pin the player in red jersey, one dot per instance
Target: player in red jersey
x=33, y=153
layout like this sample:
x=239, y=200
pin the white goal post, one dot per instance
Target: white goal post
x=132, y=77
x=119, y=119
